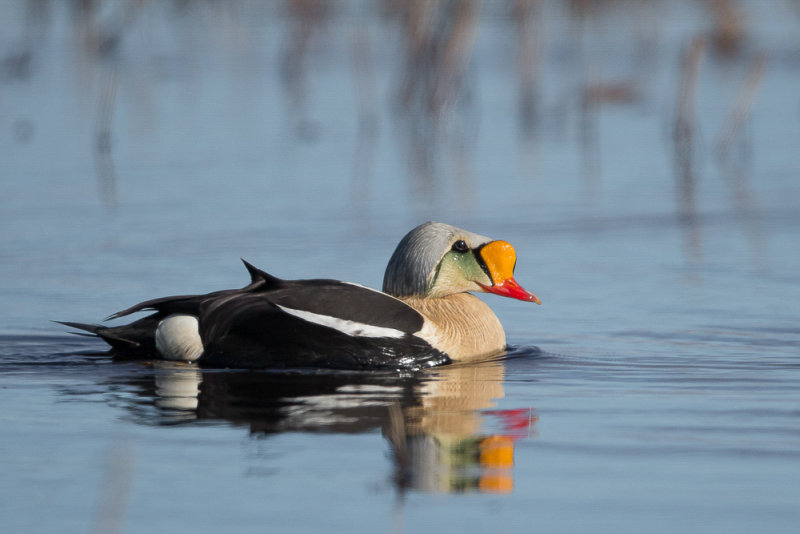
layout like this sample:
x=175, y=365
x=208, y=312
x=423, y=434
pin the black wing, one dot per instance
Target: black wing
x=349, y=302
x=257, y=329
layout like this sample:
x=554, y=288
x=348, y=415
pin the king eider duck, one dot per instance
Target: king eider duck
x=424, y=317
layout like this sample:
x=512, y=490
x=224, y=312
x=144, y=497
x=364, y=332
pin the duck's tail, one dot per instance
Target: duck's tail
x=136, y=338
x=90, y=330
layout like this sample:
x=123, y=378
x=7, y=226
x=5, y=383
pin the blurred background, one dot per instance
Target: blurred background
x=633, y=151
x=642, y=156
x=146, y=142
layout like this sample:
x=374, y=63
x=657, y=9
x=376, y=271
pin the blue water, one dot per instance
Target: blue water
x=146, y=148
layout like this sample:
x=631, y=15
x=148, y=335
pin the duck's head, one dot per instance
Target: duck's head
x=436, y=259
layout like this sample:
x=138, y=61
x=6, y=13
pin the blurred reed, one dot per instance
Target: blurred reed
x=418, y=68
x=115, y=489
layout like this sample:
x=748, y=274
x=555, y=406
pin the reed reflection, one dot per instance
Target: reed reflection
x=684, y=145
x=436, y=111
x=440, y=425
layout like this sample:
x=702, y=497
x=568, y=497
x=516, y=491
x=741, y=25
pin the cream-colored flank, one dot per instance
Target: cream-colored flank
x=178, y=338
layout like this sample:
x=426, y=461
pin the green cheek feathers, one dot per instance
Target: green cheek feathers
x=456, y=271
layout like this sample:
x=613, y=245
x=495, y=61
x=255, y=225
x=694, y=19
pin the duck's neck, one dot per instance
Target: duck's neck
x=461, y=325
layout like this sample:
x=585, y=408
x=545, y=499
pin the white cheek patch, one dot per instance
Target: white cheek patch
x=178, y=338
x=351, y=328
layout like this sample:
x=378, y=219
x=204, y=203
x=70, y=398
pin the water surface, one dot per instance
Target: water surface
x=145, y=148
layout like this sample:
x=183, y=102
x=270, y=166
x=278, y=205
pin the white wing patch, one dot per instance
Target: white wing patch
x=351, y=328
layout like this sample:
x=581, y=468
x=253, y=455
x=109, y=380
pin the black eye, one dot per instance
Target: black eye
x=460, y=246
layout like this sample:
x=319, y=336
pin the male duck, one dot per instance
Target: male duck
x=424, y=316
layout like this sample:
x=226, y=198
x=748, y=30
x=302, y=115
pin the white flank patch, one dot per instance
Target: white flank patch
x=351, y=328
x=178, y=338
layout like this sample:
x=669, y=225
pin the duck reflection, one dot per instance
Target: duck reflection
x=441, y=443
x=177, y=389
x=440, y=424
